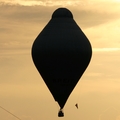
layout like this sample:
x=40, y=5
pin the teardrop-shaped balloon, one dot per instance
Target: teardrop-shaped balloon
x=61, y=53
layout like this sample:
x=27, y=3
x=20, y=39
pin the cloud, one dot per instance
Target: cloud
x=106, y=49
x=105, y=36
x=21, y=83
x=42, y=2
x=22, y=23
x=40, y=14
x=56, y=2
x=88, y=14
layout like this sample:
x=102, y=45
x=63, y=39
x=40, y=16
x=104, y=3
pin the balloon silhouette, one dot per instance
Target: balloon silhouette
x=61, y=53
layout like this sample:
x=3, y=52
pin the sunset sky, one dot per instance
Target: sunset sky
x=22, y=90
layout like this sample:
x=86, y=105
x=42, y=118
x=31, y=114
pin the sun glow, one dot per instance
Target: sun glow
x=116, y=0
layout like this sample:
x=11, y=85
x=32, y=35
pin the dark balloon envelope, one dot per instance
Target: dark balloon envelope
x=61, y=53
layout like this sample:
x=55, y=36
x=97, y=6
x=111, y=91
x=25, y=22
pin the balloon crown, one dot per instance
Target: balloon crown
x=62, y=13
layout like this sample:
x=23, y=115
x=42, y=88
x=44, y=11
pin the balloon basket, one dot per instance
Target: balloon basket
x=60, y=113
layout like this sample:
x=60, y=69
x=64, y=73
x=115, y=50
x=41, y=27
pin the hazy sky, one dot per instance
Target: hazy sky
x=22, y=90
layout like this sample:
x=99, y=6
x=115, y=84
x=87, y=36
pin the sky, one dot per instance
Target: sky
x=22, y=90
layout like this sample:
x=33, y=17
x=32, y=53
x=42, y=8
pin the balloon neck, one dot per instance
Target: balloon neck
x=60, y=113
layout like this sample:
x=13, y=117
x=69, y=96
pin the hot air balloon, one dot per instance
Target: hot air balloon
x=61, y=54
